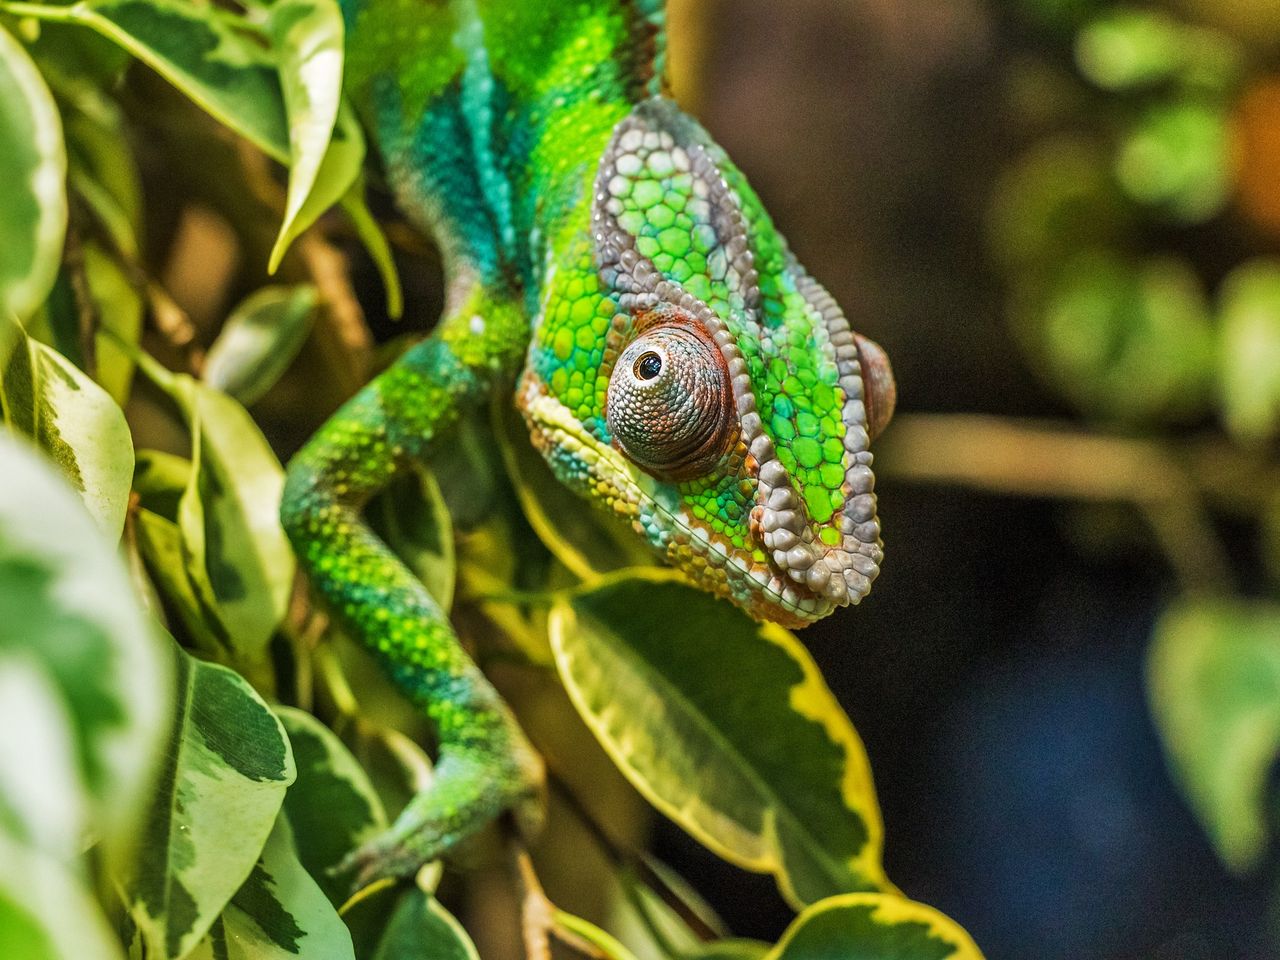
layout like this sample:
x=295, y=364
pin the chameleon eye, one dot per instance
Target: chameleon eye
x=648, y=366
x=670, y=402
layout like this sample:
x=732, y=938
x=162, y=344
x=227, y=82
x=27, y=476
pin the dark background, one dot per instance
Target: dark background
x=996, y=671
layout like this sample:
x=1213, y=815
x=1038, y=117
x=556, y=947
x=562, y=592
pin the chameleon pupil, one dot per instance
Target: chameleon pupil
x=648, y=366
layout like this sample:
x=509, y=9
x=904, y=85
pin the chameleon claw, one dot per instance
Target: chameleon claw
x=466, y=795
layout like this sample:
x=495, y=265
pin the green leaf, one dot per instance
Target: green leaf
x=731, y=948
x=45, y=396
x=759, y=763
x=1056, y=199
x=279, y=913
x=214, y=57
x=1214, y=684
x=339, y=173
x=1130, y=341
x=119, y=308
x=45, y=914
x=159, y=480
x=421, y=929
x=228, y=766
x=410, y=515
x=1130, y=48
x=1177, y=158
x=650, y=926
x=308, y=37
x=1249, y=357
x=259, y=341
x=246, y=556
x=375, y=241
x=171, y=528
x=33, y=170
x=874, y=926
x=75, y=651
x=332, y=807
x=101, y=169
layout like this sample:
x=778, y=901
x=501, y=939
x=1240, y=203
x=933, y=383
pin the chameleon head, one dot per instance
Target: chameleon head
x=687, y=374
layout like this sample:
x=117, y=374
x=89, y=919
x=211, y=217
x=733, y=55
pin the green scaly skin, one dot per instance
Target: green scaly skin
x=675, y=364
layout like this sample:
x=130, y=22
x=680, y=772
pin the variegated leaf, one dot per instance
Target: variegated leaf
x=759, y=762
x=279, y=913
x=230, y=519
x=33, y=172
x=222, y=788
x=874, y=926
x=75, y=651
x=332, y=807
x=48, y=398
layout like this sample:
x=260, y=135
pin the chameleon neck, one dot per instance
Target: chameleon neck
x=492, y=115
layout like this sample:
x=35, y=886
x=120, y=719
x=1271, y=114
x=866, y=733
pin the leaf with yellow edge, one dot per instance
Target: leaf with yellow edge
x=874, y=926
x=757, y=762
x=602, y=940
x=33, y=169
x=307, y=37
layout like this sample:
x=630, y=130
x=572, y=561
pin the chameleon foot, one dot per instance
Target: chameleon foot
x=468, y=792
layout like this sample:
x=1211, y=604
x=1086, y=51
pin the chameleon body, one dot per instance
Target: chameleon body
x=609, y=266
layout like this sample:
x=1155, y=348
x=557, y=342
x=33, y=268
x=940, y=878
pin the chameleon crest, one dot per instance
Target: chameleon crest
x=691, y=376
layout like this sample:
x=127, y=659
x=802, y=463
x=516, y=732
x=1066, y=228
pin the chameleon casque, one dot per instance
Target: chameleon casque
x=673, y=361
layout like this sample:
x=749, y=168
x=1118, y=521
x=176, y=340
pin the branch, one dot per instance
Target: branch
x=538, y=915
x=342, y=325
x=174, y=326
x=1046, y=459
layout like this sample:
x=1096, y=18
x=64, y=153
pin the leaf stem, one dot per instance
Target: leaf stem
x=628, y=859
x=541, y=920
x=1168, y=484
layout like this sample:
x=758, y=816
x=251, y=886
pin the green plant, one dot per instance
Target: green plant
x=190, y=747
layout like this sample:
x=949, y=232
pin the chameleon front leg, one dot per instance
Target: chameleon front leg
x=485, y=765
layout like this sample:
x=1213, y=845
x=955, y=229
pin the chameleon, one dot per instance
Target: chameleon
x=611, y=272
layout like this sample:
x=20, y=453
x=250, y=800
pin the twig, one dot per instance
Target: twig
x=1043, y=459
x=175, y=327
x=538, y=920
x=628, y=859
x=536, y=914
x=342, y=317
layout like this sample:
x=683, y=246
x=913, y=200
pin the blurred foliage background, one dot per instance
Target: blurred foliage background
x=1062, y=220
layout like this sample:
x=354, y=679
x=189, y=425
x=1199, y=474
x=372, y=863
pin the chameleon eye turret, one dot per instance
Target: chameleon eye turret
x=670, y=403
